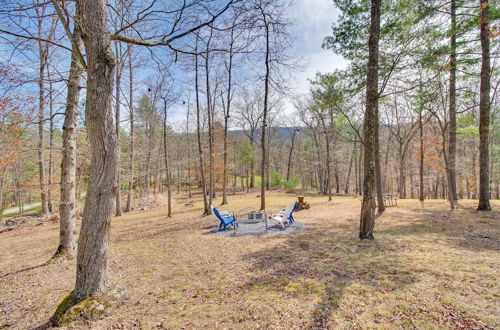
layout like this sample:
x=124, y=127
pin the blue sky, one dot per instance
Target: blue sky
x=312, y=20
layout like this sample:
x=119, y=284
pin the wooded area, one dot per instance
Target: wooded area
x=116, y=107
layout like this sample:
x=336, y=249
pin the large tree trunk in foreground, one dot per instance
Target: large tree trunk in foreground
x=484, y=112
x=67, y=203
x=452, y=146
x=367, y=218
x=92, y=257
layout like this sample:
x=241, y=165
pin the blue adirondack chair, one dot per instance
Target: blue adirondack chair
x=224, y=217
x=290, y=217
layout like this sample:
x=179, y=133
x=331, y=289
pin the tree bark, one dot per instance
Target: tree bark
x=289, y=165
x=452, y=144
x=346, y=189
x=378, y=169
x=210, y=111
x=190, y=194
x=484, y=111
x=264, y=115
x=43, y=54
x=92, y=257
x=367, y=218
x=51, y=144
x=328, y=162
x=165, y=158
x=402, y=176
x=421, y=163
x=206, y=209
x=67, y=202
x=131, y=118
x=119, y=68
x=226, y=115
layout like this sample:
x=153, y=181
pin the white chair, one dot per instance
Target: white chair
x=282, y=217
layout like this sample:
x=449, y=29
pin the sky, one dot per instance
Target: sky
x=313, y=20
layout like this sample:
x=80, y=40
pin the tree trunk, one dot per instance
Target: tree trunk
x=150, y=134
x=328, y=164
x=264, y=117
x=41, y=126
x=448, y=176
x=367, y=218
x=226, y=116
x=210, y=111
x=318, y=159
x=206, y=209
x=356, y=188
x=119, y=68
x=378, y=170
x=165, y=157
x=402, y=176
x=452, y=145
x=484, y=111
x=2, y=180
x=336, y=175
x=188, y=153
x=360, y=168
x=421, y=163
x=252, y=166
x=131, y=117
x=346, y=189
x=67, y=203
x=290, y=155
x=92, y=257
x=51, y=144
x=386, y=164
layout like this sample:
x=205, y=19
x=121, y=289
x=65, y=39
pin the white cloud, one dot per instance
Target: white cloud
x=323, y=61
x=312, y=22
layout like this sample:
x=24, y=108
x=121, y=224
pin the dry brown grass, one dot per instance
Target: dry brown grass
x=427, y=268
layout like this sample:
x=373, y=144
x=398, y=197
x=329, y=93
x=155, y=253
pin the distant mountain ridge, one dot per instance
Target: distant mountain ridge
x=282, y=132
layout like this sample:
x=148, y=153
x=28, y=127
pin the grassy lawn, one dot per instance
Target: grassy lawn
x=428, y=268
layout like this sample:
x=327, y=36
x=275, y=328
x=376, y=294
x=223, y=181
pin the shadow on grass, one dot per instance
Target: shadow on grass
x=24, y=270
x=463, y=228
x=333, y=260
x=336, y=261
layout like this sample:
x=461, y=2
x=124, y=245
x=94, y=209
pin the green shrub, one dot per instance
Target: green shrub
x=276, y=179
x=291, y=184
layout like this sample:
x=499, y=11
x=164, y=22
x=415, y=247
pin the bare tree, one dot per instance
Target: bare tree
x=43, y=53
x=67, y=203
x=132, y=129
